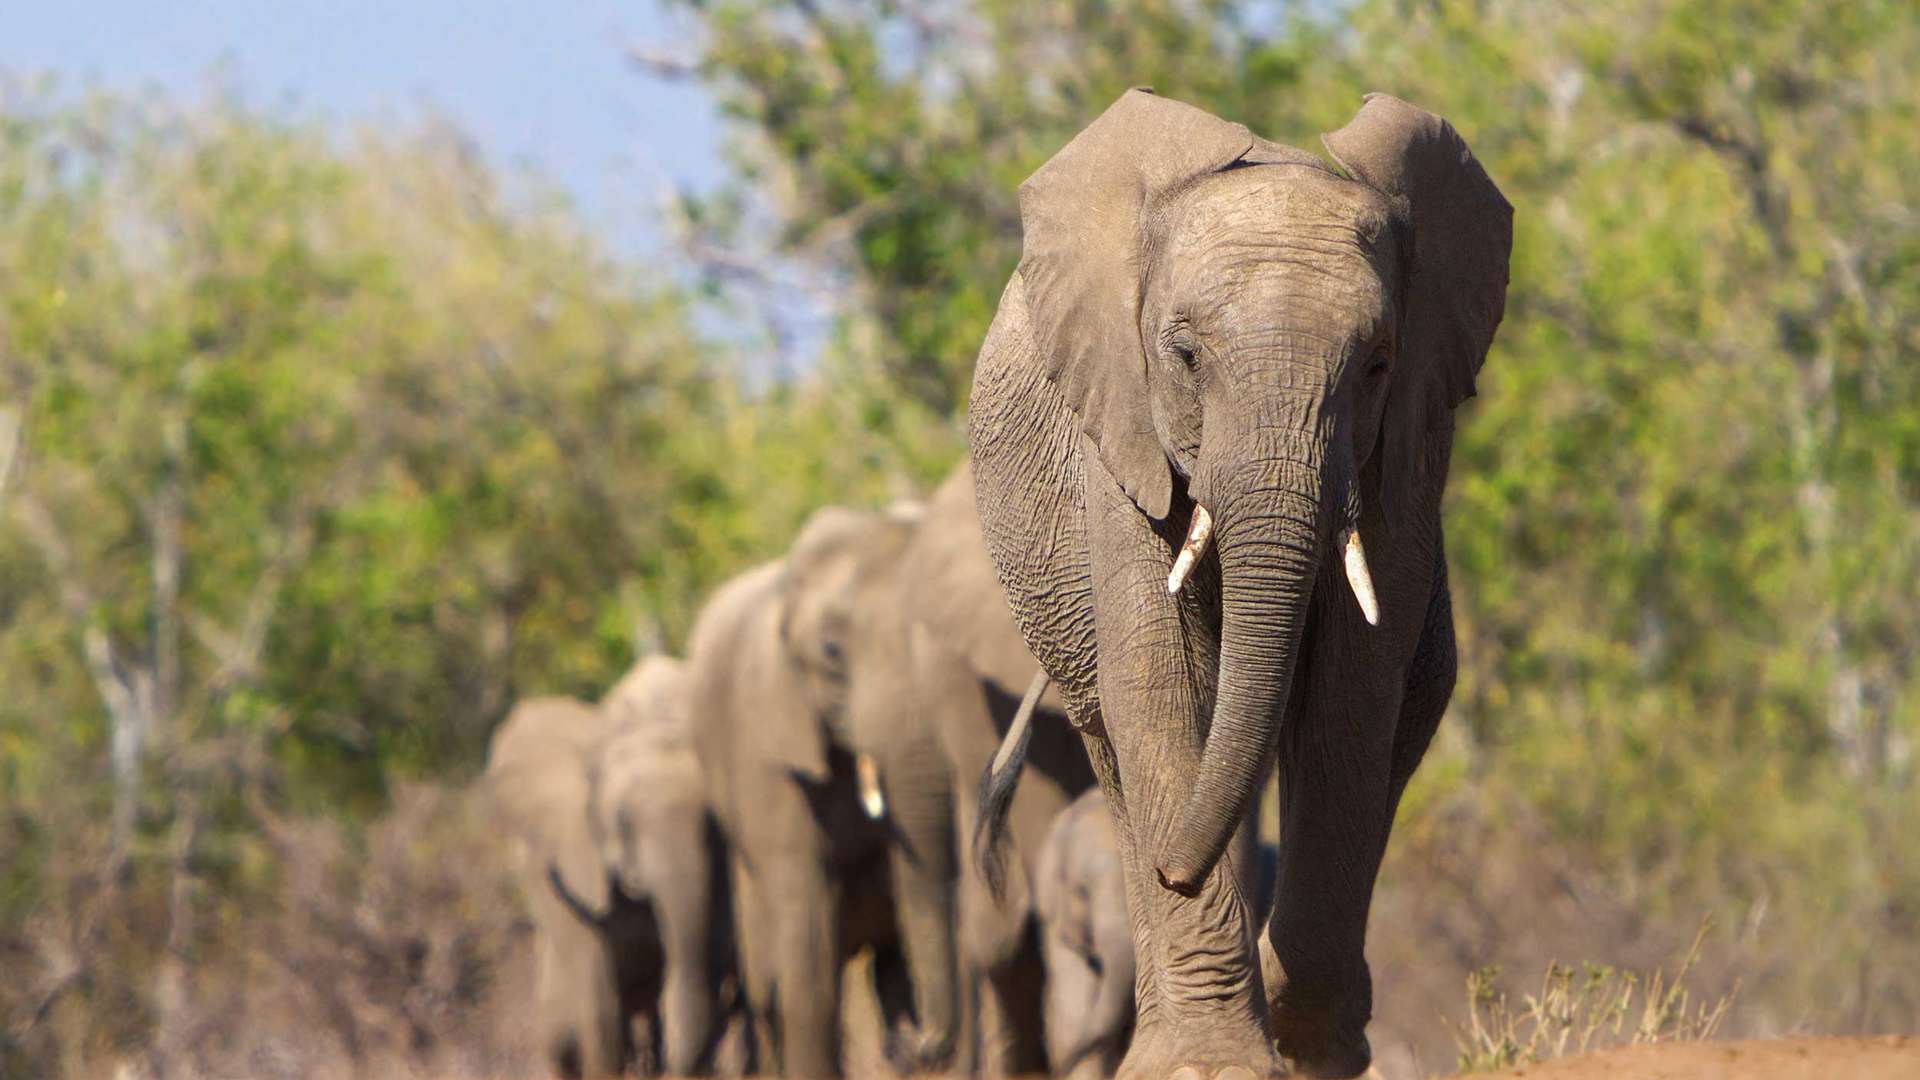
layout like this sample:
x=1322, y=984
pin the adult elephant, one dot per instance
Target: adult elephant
x=908, y=643
x=1211, y=337
x=623, y=873
x=810, y=868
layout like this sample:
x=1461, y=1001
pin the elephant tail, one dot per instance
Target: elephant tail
x=997, y=784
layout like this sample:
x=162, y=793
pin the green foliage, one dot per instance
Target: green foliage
x=320, y=449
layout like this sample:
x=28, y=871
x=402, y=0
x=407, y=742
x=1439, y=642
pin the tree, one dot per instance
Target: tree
x=320, y=448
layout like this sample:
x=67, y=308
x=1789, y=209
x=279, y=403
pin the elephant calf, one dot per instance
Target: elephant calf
x=1081, y=898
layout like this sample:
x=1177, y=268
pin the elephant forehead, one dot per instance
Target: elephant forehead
x=1286, y=208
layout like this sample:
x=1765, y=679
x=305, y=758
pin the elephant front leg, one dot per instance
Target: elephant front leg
x=1201, y=1009
x=1336, y=787
x=1360, y=737
x=924, y=884
x=804, y=903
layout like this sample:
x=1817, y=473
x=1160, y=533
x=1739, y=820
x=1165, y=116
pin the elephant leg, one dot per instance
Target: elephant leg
x=578, y=998
x=1318, y=985
x=1337, y=766
x=1429, y=688
x=804, y=909
x=643, y=1041
x=1014, y=1010
x=684, y=1013
x=924, y=881
x=1200, y=998
x=753, y=919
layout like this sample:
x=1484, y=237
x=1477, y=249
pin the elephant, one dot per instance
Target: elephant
x=810, y=868
x=1080, y=897
x=1210, y=427
x=624, y=873
x=900, y=621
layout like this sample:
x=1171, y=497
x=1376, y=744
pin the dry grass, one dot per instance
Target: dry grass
x=1576, y=1012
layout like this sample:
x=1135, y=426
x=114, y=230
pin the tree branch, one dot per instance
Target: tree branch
x=662, y=64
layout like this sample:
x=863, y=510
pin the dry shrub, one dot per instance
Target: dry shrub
x=1577, y=1012
x=1474, y=885
x=398, y=950
x=392, y=953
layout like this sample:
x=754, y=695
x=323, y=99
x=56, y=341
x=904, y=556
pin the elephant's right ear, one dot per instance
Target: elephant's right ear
x=1083, y=214
x=1457, y=282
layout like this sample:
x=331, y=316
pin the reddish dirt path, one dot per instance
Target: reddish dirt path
x=1888, y=1057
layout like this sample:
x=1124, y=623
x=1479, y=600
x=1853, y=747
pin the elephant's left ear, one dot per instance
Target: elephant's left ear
x=1456, y=288
x=1083, y=214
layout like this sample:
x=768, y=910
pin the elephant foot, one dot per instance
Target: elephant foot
x=1316, y=1039
x=1316, y=1043
x=911, y=1051
x=1164, y=1054
x=1231, y=1072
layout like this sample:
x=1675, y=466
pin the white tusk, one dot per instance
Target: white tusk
x=1360, y=580
x=872, y=799
x=1197, y=536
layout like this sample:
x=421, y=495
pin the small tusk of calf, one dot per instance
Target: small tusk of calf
x=1359, y=579
x=872, y=799
x=1198, y=534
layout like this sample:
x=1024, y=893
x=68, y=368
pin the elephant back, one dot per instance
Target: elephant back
x=955, y=591
x=652, y=696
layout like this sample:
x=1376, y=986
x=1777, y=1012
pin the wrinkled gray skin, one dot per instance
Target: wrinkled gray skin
x=908, y=641
x=623, y=874
x=1203, y=316
x=810, y=869
x=1080, y=898
x=666, y=867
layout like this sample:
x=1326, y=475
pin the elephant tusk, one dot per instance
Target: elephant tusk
x=872, y=799
x=1359, y=579
x=1197, y=536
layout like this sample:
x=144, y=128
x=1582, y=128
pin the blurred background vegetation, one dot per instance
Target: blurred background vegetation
x=320, y=444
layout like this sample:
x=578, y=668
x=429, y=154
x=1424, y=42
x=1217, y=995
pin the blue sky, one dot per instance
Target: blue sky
x=535, y=83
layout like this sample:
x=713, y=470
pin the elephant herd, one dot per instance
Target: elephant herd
x=706, y=849
x=1200, y=528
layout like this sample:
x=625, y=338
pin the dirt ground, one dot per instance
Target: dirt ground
x=1882, y=1058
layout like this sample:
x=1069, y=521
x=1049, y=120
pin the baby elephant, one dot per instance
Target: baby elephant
x=1080, y=897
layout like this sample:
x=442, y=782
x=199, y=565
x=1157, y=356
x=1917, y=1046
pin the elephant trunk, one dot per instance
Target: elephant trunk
x=1269, y=547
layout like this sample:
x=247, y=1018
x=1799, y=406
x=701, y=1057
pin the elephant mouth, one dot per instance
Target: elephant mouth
x=1359, y=577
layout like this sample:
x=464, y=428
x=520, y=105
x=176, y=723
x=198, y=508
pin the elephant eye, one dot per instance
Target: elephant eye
x=1184, y=352
x=832, y=651
x=1377, y=363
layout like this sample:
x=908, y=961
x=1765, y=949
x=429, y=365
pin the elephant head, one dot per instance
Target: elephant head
x=1256, y=346
x=840, y=570
x=647, y=809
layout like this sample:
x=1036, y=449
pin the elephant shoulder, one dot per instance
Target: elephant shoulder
x=954, y=592
x=728, y=634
